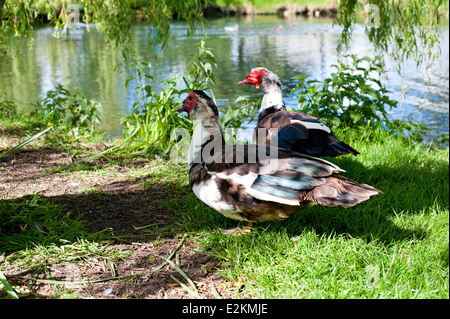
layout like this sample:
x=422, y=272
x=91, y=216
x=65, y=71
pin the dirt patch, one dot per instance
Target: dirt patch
x=138, y=275
x=108, y=199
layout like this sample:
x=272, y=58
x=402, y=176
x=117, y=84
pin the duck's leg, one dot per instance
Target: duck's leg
x=239, y=230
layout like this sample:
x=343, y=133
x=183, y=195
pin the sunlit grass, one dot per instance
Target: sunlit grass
x=272, y=5
x=392, y=246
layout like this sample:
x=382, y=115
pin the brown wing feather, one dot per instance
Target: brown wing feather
x=339, y=190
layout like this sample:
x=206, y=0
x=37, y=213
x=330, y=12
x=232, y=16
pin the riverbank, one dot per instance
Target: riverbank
x=318, y=8
x=221, y=8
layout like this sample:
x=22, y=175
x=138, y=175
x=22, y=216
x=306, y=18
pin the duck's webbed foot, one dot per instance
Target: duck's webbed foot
x=239, y=230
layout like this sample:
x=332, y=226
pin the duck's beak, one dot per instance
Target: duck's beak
x=250, y=79
x=247, y=80
x=181, y=109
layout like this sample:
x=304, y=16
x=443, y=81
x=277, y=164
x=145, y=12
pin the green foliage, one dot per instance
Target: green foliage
x=148, y=129
x=351, y=96
x=68, y=112
x=63, y=116
x=237, y=114
x=114, y=18
x=8, y=109
x=243, y=110
x=17, y=17
x=200, y=75
x=405, y=29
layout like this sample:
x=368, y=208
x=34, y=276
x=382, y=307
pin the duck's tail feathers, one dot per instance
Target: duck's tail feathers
x=339, y=190
x=342, y=148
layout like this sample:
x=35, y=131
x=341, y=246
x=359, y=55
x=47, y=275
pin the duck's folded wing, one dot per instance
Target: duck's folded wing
x=293, y=180
x=287, y=178
x=321, y=139
x=289, y=135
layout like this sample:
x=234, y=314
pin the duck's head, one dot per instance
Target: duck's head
x=200, y=107
x=262, y=79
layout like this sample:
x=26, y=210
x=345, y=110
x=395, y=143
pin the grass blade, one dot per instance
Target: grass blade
x=29, y=140
x=215, y=292
x=189, y=290
x=182, y=273
x=7, y=286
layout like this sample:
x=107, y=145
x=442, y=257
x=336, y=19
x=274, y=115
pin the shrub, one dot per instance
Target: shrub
x=148, y=129
x=7, y=109
x=68, y=112
x=351, y=96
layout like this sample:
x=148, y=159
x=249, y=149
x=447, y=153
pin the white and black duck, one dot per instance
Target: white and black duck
x=297, y=131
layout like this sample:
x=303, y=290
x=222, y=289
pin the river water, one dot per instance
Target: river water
x=81, y=60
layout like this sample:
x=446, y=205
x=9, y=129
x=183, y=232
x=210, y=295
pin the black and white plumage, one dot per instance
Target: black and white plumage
x=296, y=131
x=257, y=183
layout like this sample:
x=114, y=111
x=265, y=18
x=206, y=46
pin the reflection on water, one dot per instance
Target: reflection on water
x=289, y=48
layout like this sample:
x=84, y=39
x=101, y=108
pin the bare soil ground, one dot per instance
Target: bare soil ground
x=110, y=199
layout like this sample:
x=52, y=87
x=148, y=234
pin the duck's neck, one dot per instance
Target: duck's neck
x=272, y=98
x=205, y=131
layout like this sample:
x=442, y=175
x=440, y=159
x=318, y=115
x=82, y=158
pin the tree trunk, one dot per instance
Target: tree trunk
x=1, y=9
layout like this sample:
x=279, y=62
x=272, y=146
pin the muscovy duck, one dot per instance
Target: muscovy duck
x=258, y=183
x=297, y=131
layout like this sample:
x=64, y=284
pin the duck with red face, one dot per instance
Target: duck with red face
x=254, y=188
x=297, y=131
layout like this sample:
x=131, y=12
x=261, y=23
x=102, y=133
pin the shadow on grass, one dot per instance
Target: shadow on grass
x=42, y=201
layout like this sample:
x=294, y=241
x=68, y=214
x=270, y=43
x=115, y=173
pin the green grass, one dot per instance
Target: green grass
x=272, y=5
x=393, y=246
x=37, y=221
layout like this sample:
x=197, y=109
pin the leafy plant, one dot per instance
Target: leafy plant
x=68, y=112
x=7, y=109
x=244, y=110
x=351, y=96
x=200, y=74
x=153, y=117
x=236, y=115
x=148, y=128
